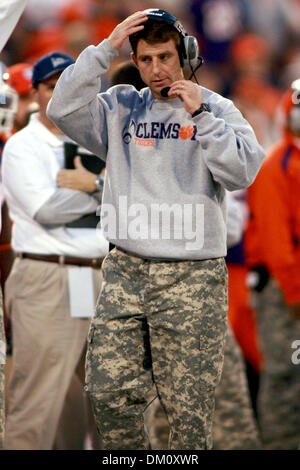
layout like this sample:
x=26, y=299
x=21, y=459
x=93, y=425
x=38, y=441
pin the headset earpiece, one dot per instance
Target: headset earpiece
x=191, y=51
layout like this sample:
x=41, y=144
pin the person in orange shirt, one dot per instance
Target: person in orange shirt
x=273, y=252
x=240, y=314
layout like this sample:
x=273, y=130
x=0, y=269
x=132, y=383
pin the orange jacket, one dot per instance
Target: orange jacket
x=273, y=234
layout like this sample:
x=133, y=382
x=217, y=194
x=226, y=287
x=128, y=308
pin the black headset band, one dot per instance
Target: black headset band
x=178, y=26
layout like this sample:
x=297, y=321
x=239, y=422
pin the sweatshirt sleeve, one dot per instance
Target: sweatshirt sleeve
x=229, y=147
x=10, y=12
x=76, y=106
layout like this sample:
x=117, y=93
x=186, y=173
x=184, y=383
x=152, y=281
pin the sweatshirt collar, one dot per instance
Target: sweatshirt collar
x=161, y=104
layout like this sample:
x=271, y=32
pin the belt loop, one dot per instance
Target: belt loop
x=61, y=259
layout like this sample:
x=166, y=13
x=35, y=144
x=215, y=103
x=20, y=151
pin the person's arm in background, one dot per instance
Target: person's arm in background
x=76, y=107
x=235, y=220
x=64, y=206
x=10, y=12
x=38, y=196
x=81, y=179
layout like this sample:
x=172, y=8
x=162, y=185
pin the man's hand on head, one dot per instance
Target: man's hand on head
x=189, y=92
x=131, y=25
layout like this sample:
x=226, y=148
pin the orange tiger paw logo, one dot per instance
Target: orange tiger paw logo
x=186, y=132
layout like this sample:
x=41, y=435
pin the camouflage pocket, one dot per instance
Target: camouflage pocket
x=114, y=360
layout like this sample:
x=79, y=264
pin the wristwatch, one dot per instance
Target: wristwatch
x=203, y=107
x=99, y=183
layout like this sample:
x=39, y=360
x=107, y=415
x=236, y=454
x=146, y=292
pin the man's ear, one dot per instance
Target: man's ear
x=33, y=93
x=134, y=59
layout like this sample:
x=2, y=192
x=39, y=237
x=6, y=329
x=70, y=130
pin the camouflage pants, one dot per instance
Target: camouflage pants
x=185, y=305
x=2, y=362
x=234, y=425
x=279, y=392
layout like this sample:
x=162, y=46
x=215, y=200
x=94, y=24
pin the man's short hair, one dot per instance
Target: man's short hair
x=155, y=32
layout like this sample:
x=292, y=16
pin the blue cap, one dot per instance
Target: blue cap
x=49, y=65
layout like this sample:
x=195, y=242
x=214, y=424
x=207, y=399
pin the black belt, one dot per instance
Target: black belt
x=152, y=260
x=61, y=259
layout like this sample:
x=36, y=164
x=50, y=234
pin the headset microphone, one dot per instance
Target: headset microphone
x=164, y=92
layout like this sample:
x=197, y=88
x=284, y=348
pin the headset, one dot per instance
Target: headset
x=188, y=49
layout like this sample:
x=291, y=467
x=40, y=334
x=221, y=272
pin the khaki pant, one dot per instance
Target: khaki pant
x=47, y=346
x=77, y=428
x=185, y=305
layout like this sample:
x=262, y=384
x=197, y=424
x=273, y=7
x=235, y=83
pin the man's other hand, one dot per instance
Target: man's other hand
x=189, y=93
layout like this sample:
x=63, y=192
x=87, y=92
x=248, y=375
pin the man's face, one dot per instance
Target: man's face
x=158, y=64
x=44, y=92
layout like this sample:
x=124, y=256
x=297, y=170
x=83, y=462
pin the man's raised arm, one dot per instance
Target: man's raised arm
x=75, y=107
x=10, y=12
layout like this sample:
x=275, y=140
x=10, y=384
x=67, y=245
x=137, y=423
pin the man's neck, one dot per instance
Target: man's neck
x=49, y=124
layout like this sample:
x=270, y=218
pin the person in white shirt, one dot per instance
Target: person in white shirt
x=56, y=274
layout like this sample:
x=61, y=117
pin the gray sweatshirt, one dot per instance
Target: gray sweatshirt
x=166, y=172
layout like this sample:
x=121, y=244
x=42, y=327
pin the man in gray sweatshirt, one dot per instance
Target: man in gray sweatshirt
x=169, y=158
